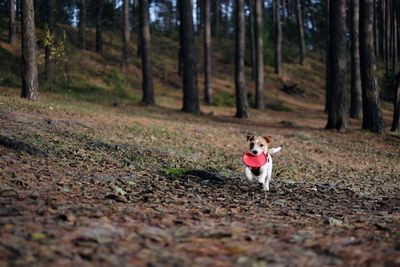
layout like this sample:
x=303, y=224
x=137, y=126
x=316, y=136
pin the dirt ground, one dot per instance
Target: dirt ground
x=89, y=185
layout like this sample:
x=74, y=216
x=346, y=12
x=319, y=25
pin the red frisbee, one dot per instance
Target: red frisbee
x=254, y=161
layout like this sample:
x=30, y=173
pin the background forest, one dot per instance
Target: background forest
x=123, y=123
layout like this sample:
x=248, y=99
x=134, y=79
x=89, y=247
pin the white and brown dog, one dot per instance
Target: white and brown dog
x=258, y=145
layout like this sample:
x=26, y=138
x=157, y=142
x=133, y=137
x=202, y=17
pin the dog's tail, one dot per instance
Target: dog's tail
x=274, y=150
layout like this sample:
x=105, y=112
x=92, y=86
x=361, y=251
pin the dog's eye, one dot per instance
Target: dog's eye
x=261, y=145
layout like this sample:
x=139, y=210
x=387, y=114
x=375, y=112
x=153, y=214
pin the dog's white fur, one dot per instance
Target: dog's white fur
x=265, y=173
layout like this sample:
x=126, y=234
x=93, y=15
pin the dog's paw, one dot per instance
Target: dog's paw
x=266, y=187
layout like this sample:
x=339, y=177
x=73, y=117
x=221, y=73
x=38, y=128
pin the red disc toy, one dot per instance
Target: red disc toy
x=254, y=161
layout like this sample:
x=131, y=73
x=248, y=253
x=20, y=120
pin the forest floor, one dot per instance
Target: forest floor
x=84, y=184
x=88, y=177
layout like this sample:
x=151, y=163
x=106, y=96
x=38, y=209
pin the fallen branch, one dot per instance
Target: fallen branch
x=20, y=146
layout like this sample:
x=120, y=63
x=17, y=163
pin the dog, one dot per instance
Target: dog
x=258, y=145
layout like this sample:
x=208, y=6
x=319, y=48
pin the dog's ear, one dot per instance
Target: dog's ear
x=249, y=137
x=268, y=138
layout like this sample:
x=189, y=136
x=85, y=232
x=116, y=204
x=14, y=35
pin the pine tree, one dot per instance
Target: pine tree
x=11, y=23
x=355, y=102
x=240, y=89
x=125, y=34
x=278, y=37
x=207, y=51
x=259, y=96
x=190, y=90
x=30, y=85
x=82, y=24
x=372, y=117
x=338, y=90
x=147, y=74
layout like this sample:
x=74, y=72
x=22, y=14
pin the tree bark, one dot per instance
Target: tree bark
x=18, y=9
x=356, y=101
x=396, y=111
x=259, y=96
x=99, y=13
x=394, y=37
x=199, y=16
x=11, y=23
x=252, y=40
x=190, y=90
x=48, y=58
x=240, y=89
x=82, y=24
x=339, y=91
x=30, y=85
x=180, y=50
x=147, y=74
x=372, y=117
x=207, y=51
x=327, y=92
x=125, y=34
x=278, y=38
x=381, y=11
x=217, y=17
x=227, y=4
x=299, y=17
x=387, y=36
x=376, y=37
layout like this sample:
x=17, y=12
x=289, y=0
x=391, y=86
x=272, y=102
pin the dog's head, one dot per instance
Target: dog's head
x=258, y=144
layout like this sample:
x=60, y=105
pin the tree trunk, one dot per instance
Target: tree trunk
x=49, y=62
x=99, y=38
x=18, y=9
x=376, y=37
x=355, y=103
x=339, y=93
x=180, y=50
x=394, y=37
x=387, y=36
x=198, y=15
x=259, y=96
x=396, y=112
x=217, y=17
x=11, y=23
x=125, y=34
x=299, y=17
x=241, y=101
x=147, y=75
x=252, y=40
x=227, y=3
x=381, y=11
x=372, y=118
x=327, y=92
x=82, y=24
x=278, y=38
x=190, y=90
x=30, y=85
x=207, y=51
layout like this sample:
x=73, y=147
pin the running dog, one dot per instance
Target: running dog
x=258, y=145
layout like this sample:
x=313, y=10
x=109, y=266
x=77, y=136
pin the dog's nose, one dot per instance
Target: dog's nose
x=254, y=151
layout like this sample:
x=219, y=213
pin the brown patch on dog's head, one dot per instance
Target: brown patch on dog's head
x=259, y=141
x=250, y=137
x=268, y=138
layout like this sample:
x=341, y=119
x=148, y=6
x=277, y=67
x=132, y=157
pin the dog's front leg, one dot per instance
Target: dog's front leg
x=268, y=175
x=262, y=177
x=249, y=174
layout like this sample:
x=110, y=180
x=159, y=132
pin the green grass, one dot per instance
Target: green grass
x=175, y=171
x=224, y=99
